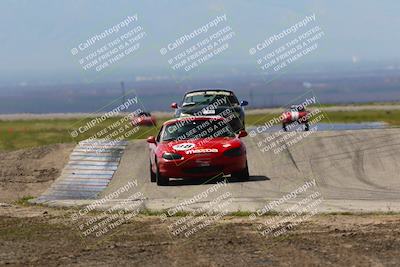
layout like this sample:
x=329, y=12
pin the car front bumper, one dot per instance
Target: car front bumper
x=200, y=166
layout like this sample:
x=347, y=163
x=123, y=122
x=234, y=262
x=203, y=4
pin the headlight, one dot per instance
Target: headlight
x=235, y=152
x=171, y=156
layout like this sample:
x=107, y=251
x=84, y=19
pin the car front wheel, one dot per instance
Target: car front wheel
x=243, y=174
x=161, y=180
x=153, y=177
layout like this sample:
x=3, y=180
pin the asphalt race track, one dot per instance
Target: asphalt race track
x=355, y=171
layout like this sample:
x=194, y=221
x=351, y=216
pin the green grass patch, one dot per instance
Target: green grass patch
x=18, y=134
x=24, y=201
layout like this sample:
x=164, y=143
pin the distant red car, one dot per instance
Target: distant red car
x=296, y=113
x=144, y=119
x=195, y=147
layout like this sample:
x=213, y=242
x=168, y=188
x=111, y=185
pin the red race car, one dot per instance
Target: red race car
x=197, y=147
x=144, y=119
x=296, y=113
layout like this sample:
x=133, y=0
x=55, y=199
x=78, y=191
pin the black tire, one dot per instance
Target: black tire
x=243, y=174
x=153, y=177
x=307, y=127
x=284, y=127
x=161, y=180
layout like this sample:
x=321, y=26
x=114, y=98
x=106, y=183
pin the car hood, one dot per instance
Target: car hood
x=201, y=146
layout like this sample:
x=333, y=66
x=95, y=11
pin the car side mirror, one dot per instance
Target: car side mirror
x=244, y=103
x=151, y=140
x=242, y=133
x=174, y=105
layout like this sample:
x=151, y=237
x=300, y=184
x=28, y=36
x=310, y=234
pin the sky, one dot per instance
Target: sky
x=37, y=36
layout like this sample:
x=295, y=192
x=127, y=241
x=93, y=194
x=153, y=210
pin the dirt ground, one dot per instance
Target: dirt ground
x=29, y=172
x=43, y=236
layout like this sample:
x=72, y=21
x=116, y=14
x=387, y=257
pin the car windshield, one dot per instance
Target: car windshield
x=195, y=129
x=210, y=97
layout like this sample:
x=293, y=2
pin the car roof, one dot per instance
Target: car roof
x=209, y=89
x=193, y=118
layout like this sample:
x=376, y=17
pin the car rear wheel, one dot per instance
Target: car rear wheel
x=153, y=177
x=161, y=180
x=243, y=174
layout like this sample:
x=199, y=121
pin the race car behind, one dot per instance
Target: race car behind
x=295, y=114
x=212, y=102
x=143, y=119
